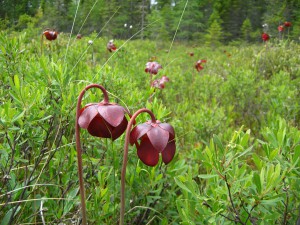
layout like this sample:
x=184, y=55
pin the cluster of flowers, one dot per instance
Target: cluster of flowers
x=108, y=120
x=51, y=35
x=282, y=27
x=152, y=68
x=198, y=64
x=265, y=36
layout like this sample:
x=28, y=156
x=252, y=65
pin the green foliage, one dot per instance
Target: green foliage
x=246, y=30
x=241, y=184
x=214, y=35
x=236, y=123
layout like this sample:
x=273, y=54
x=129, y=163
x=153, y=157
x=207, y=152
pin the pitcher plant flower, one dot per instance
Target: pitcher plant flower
x=160, y=83
x=198, y=64
x=265, y=37
x=102, y=119
x=280, y=28
x=111, y=46
x=154, y=138
x=50, y=35
x=287, y=24
x=152, y=67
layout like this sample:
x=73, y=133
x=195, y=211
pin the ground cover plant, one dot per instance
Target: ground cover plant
x=234, y=109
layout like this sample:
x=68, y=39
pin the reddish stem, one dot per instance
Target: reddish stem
x=78, y=146
x=126, y=145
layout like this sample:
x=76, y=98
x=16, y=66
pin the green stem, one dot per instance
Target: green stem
x=125, y=157
x=78, y=146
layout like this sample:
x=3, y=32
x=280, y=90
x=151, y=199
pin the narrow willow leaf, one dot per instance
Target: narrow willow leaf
x=207, y=176
x=181, y=185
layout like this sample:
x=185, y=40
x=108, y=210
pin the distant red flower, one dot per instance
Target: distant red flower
x=50, y=34
x=191, y=54
x=111, y=46
x=78, y=36
x=287, y=24
x=280, y=28
x=198, y=64
x=265, y=36
x=103, y=119
x=152, y=67
x=155, y=138
x=160, y=83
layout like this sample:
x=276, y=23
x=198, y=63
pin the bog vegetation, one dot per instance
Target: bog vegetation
x=234, y=108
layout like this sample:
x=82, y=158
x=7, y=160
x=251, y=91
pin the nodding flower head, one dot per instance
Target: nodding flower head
x=265, y=37
x=287, y=24
x=280, y=28
x=154, y=138
x=50, y=34
x=78, y=36
x=160, y=83
x=198, y=64
x=152, y=67
x=111, y=46
x=104, y=119
x=90, y=42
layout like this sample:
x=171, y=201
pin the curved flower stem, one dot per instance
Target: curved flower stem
x=123, y=172
x=42, y=38
x=78, y=146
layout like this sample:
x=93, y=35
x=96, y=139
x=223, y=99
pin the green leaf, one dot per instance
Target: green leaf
x=17, y=82
x=207, y=176
x=218, y=142
x=257, y=182
x=245, y=139
x=69, y=204
x=181, y=185
x=273, y=154
x=271, y=202
x=6, y=218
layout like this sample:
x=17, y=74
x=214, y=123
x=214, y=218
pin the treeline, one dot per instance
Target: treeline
x=209, y=21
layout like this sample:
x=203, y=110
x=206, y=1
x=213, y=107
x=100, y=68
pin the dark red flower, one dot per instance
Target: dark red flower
x=191, y=53
x=152, y=67
x=287, y=24
x=280, y=28
x=111, y=46
x=78, y=36
x=50, y=34
x=265, y=36
x=154, y=138
x=198, y=64
x=105, y=120
x=160, y=83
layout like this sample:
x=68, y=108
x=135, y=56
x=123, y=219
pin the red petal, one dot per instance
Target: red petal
x=169, y=152
x=119, y=130
x=113, y=114
x=167, y=127
x=138, y=132
x=99, y=128
x=147, y=153
x=158, y=137
x=87, y=115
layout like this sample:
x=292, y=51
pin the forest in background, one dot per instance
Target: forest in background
x=212, y=22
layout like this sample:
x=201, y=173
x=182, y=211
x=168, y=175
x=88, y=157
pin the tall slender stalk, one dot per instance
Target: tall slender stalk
x=78, y=147
x=125, y=157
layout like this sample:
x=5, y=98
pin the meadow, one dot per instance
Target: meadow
x=236, y=123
